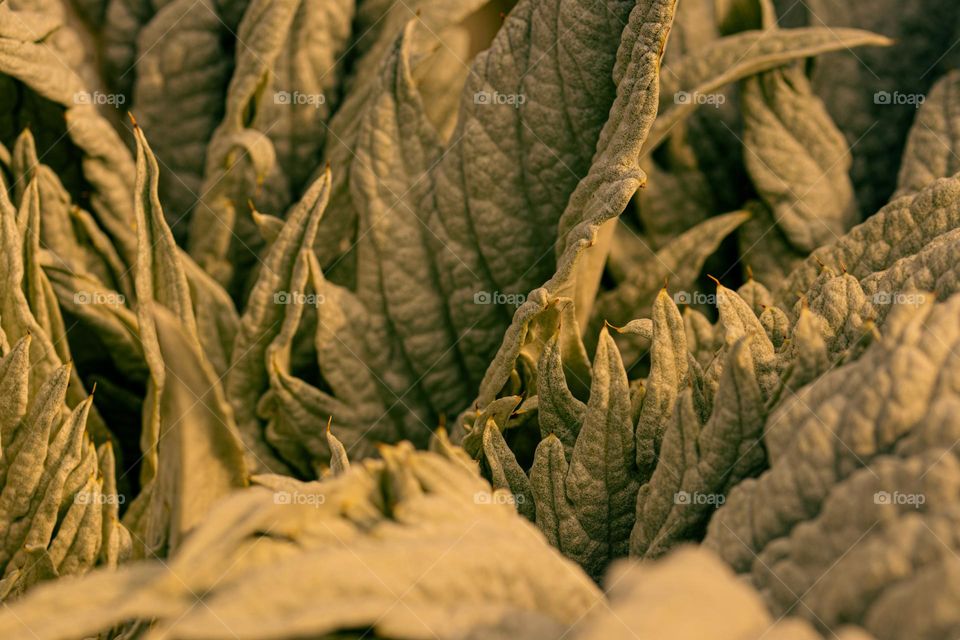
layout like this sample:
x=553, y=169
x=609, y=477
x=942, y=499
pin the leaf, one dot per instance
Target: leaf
x=282, y=89
x=650, y=600
x=177, y=96
x=379, y=24
x=29, y=54
x=854, y=88
x=464, y=224
x=601, y=482
x=699, y=461
x=159, y=279
x=738, y=321
x=505, y=472
x=14, y=384
x=668, y=371
x=200, y=452
x=116, y=544
x=556, y=516
x=797, y=159
x=29, y=286
x=338, y=457
x=700, y=335
x=679, y=262
x=397, y=280
x=899, y=230
x=50, y=512
x=757, y=296
x=871, y=405
x=913, y=564
x=560, y=413
x=355, y=397
x=932, y=145
x=262, y=319
x=441, y=524
x=69, y=232
x=739, y=56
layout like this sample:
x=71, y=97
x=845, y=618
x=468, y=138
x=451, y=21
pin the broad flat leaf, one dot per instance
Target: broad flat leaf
x=396, y=277
x=378, y=26
x=932, y=146
x=887, y=557
x=179, y=67
x=200, y=452
x=796, y=158
x=652, y=600
x=123, y=21
x=899, y=230
x=932, y=269
x=873, y=97
x=825, y=446
x=342, y=540
x=741, y=55
x=463, y=223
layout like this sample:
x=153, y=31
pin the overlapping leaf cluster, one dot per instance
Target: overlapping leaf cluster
x=386, y=215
